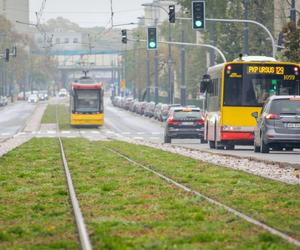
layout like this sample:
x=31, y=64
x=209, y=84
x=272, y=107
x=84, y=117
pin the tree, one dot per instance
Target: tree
x=292, y=41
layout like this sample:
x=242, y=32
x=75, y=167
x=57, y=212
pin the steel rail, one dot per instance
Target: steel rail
x=81, y=227
x=212, y=201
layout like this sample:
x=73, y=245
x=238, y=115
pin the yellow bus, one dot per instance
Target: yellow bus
x=233, y=90
x=86, y=103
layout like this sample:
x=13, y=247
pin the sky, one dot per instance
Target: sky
x=89, y=13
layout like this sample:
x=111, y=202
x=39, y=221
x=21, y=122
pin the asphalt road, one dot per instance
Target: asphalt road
x=13, y=118
x=131, y=125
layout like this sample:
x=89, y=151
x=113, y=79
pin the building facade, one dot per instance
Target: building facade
x=16, y=10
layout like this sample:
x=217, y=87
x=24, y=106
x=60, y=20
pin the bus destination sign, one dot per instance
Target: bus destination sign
x=277, y=70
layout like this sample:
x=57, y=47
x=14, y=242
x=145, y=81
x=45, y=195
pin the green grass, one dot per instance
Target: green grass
x=63, y=116
x=273, y=202
x=34, y=208
x=126, y=207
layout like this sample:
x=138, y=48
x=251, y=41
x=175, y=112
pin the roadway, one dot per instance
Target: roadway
x=13, y=118
x=130, y=125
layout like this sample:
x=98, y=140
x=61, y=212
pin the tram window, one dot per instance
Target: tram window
x=87, y=101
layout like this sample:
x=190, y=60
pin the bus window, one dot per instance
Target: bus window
x=213, y=95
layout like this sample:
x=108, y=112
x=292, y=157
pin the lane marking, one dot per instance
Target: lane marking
x=138, y=138
x=66, y=132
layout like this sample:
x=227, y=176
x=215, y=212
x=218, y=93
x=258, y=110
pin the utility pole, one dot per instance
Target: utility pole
x=293, y=11
x=156, y=93
x=246, y=28
x=148, y=77
x=182, y=71
x=170, y=75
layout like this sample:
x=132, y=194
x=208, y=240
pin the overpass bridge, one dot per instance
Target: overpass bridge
x=104, y=65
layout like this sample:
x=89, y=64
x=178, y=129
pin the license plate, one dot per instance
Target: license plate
x=187, y=123
x=293, y=125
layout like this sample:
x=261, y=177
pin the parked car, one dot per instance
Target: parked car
x=3, y=101
x=149, y=109
x=157, y=110
x=33, y=98
x=278, y=125
x=184, y=123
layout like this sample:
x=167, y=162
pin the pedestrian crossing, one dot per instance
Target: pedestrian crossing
x=137, y=135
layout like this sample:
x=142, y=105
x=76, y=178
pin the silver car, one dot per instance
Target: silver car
x=278, y=126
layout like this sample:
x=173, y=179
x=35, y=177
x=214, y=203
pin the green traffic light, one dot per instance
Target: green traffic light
x=152, y=44
x=198, y=23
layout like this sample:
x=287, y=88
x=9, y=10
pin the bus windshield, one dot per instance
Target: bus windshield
x=250, y=85
x=87, y=101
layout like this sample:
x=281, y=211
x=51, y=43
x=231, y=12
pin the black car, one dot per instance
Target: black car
x=184, y=123
x=278, y=126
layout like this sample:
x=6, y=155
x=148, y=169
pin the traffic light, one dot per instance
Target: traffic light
x=124, y=36
x=172, y=13
x=152, y=38
x=6, y=55
x=198, y=15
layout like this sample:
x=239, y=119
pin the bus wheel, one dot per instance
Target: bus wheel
x=212, y=144
x=202, y=141
x=167, y=139
x=256, y=149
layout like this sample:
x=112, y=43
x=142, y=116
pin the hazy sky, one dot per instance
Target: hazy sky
x=89, y=13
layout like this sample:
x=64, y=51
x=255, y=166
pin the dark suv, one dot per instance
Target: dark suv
x=184, y=123
x=278, y=126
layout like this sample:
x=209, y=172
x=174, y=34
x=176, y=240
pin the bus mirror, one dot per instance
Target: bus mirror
x=255, y=115
x=205, y=83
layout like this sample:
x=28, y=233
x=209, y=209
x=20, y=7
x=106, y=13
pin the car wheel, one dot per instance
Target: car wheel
x=212, y=144
x=264, y=148
x=167, y=139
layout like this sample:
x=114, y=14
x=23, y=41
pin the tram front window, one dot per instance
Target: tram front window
x=87, y=101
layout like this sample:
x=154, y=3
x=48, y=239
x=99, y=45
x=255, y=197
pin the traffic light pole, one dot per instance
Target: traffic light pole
x=148, y=78
x=182, y=71
x=241, y=21
x=187, y=44
x=170, y=76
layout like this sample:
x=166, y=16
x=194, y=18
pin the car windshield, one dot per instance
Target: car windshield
x=285, y=106
x=178, y=115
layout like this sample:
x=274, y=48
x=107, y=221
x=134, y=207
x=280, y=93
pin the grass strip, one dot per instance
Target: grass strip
x=272, y=202
x=63, y=116
x=125, y=207
x=35, y=211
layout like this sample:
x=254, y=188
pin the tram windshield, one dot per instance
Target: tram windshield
x=87, y=101
x=251, y=85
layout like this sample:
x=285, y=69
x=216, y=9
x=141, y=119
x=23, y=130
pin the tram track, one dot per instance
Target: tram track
x=189, y=190
x=79, y=219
